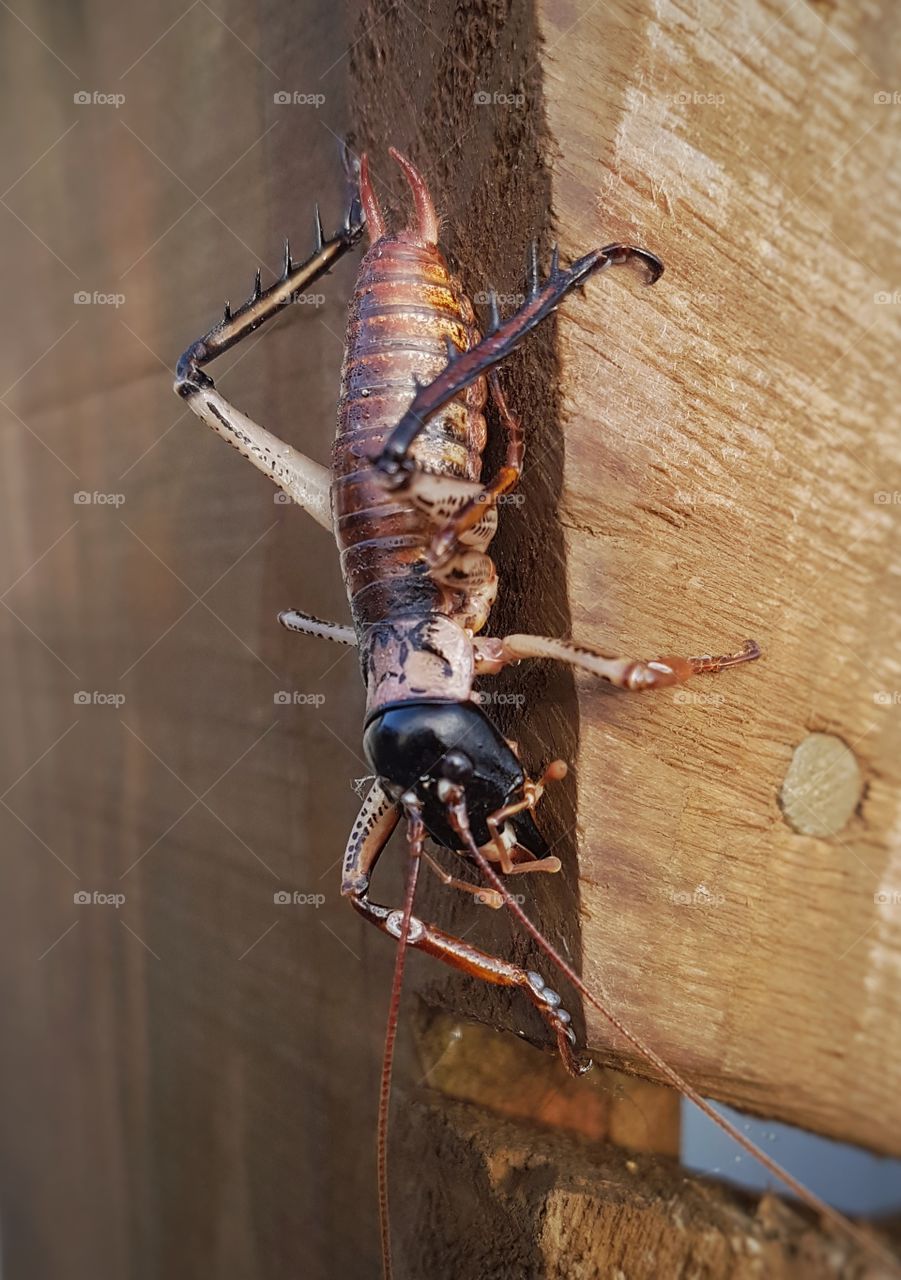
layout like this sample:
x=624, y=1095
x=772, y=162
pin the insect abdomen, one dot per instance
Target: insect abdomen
x=405, y=309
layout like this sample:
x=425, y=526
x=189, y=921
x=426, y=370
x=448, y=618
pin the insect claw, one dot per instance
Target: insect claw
x=228, y=312
x=555, y=261
x=320, y=235
x=495, y=321
x=451, y=349
x=355, y=217
x=287, y=258
x=257, y=284
x=532, y=269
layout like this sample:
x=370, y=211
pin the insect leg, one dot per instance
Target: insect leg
x=376, y=821
x=304, y=481
x=486, y=896
x=465, y=367
x=496, y=822
x=495, y=653
x=294, y=620
x=472, y=514
x=265, y=303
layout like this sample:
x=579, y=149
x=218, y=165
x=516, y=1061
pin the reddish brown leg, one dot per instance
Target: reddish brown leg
x=486, y=896
x=369, y=838
x=495, y=653
x=446, y=541
x=532, y=793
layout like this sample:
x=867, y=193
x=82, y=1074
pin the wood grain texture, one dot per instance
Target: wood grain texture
x=188, y=1082
x=732, y=470
x=720, y=454
x=541, y=1204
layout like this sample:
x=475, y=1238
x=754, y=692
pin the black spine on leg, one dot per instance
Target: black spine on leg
x=265, y=303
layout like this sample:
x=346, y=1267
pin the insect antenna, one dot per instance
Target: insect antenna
x=460, y=820
x=399, y=924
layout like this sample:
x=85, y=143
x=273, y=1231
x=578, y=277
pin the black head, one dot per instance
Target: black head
x=416, y=745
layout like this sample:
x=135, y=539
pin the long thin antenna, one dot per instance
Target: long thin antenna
x=415, y=837
x=460, y=820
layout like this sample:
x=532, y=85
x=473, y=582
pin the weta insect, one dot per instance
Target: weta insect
x=413, y=521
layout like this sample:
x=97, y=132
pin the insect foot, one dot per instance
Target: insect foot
x=548, y=1005
x=394, y=926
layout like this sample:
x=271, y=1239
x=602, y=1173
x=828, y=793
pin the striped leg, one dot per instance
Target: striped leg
x=372, y=829
x=304, y=481
x=306, y=624
x=493, y=653
x=472, y=515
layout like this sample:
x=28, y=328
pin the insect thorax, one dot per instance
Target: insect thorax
x=416, y=659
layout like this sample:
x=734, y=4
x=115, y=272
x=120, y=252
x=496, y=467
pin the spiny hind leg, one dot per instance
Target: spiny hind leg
x=464, y=368
x=304, y=481
x=493, y=653
x=371, y=831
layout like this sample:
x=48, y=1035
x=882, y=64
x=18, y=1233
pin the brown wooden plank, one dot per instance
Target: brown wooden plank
x=538, y=1203
x=728, y=484
x=189, y=1082
x=721, y=462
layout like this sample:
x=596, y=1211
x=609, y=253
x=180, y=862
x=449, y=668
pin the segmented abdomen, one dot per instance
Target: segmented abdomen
x=406, y=306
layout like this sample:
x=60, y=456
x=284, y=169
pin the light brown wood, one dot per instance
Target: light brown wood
x=468, y=1061
x=714, y=458
x=536, y=1203
x=731, y=471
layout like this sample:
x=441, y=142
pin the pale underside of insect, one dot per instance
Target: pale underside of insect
x=413, y=520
